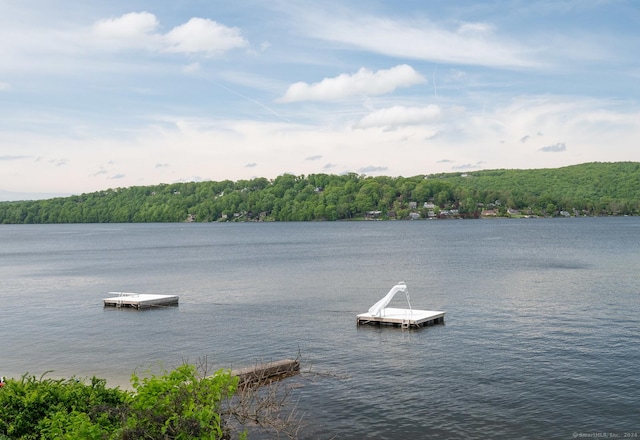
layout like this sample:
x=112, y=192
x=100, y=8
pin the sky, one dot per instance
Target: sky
x=97, y=95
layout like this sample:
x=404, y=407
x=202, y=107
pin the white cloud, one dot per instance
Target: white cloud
x=129, y=26
x=130, y=86
x=475, y=28
x=140, y=30
x=225, y=149
x=135, y=30
x=362, y=83
x=399, y=115
x=470, y=43
x=201, y=35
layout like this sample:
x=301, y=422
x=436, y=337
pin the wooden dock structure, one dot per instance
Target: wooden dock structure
x=265, y=373
x=140, y=300
x=405, y=318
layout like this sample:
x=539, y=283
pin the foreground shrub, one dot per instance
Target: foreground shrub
x=185, y=403
x=173, y=405
x=178, y=405
x=32, y=408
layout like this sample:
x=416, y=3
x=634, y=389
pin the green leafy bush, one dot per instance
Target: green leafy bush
x=33, y=408
x=173, y=405
x=178, y=405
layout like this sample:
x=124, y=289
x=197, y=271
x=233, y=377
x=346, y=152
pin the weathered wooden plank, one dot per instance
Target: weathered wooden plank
x=264, y=373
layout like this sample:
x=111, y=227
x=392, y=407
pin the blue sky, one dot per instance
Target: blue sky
x=97, y=95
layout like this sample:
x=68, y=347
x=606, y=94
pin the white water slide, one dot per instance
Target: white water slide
x=378, y=308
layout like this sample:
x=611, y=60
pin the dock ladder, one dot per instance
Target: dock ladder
x=121, y=295
x=406, y=322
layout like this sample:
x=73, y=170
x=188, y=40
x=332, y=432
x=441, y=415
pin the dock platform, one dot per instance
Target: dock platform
x=405, y=318
x=265, y=373
x=140, y=300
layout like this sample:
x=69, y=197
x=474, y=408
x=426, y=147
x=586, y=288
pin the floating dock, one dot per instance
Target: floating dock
x=405, y=318
x=140, y=300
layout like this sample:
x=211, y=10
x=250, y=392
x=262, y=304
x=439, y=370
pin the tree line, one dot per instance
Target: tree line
x=587, y=189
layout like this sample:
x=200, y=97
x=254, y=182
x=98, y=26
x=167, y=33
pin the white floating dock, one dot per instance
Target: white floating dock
x=404, y=318
x=140, y=300
x=380, y=314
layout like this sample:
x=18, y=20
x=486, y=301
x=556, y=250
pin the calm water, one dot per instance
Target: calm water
x=540, y=340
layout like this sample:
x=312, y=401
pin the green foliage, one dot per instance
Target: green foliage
x=174, y=405
x=587, y=189
x=74, y=425
x=32, y=408
x=179, y=405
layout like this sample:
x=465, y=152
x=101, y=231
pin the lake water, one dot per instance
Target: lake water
x=540, y=337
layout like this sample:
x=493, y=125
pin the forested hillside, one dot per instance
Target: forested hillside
x=587, y=189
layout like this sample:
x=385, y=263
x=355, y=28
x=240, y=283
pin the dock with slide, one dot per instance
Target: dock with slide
x=380, y=314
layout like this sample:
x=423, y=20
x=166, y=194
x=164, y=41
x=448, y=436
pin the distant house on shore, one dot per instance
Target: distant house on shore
x=372, y=215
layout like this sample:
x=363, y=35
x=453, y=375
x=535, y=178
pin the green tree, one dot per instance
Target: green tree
x=592, y=189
